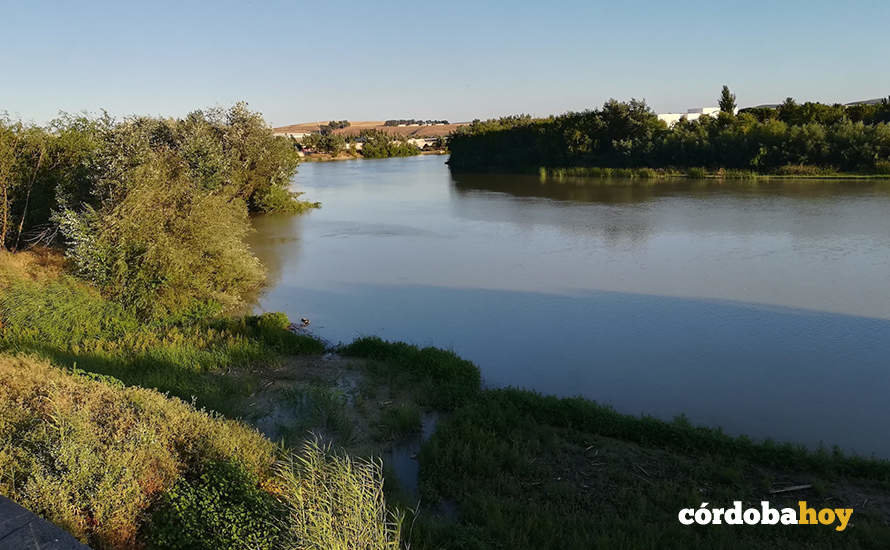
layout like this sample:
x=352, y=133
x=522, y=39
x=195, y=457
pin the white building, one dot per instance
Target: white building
x=295, y=135
x=691, y=114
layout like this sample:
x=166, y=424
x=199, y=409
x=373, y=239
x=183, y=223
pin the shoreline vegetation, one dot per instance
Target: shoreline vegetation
x=627, y=139
x=138, y=410
x=654, y=174
x=368, y=143
x=326, y=157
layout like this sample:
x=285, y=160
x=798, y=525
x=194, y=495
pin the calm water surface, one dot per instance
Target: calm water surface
x=760, y=308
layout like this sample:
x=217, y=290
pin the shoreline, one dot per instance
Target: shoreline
x=324, y=157
x=546, y=173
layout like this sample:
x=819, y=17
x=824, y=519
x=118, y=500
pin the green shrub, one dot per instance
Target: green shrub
x=162, y=244
x=220, y=508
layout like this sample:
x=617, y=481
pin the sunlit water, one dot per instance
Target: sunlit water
x=760, y=308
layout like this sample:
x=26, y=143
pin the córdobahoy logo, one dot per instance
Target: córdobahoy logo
x=765, y=514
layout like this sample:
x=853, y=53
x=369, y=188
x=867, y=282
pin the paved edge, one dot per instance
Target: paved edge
x=23, y=530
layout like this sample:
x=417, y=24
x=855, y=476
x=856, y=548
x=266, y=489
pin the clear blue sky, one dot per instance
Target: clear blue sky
x=303, y=61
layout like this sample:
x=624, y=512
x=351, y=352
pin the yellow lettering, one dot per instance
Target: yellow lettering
x=843, y=515
x=807, y=515
x=826, y=516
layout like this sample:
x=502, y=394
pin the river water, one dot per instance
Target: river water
x=762, y=308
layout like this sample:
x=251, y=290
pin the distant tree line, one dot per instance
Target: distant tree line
x=153, y=211
x=629, y=134
x=413, y=122
x=334, y=125
x=374, y=144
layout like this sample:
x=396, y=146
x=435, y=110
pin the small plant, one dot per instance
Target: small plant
x=221, y=508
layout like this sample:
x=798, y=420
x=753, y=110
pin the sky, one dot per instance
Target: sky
x=374, y=59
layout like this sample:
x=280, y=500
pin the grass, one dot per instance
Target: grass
x=528, y=471
x=441, y=379
x=58, y=317
x=399, y=422
x=121, y=466
x=319, y=409
x=93, y=455
x=343, y=505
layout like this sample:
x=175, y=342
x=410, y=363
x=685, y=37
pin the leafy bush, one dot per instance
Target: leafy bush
x=222, y=508
x=154, y=211
x=164, y=246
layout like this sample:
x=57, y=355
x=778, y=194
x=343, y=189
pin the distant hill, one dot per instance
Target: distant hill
x=355, y=127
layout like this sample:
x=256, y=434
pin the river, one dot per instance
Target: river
x=761, y=308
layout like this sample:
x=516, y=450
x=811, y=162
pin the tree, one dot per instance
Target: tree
x=727, y=101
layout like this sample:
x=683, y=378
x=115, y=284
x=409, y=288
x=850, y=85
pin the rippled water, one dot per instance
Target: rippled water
x=761, y=308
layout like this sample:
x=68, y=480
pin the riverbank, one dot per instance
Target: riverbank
x=325, y=157
x=504, y=468
x=644, y=174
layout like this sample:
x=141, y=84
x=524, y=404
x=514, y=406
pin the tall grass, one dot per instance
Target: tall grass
x=335, y=502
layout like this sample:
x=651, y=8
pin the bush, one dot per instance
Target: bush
x=222, y=508
x=154, y=211
x=164, y=246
